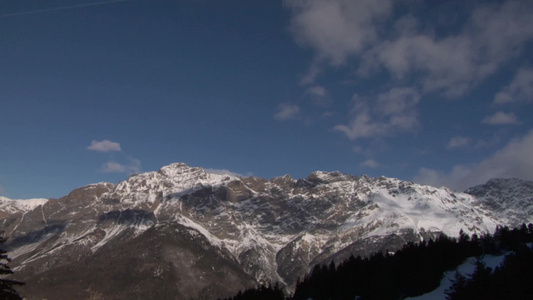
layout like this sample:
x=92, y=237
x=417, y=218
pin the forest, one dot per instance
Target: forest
x=418, y=268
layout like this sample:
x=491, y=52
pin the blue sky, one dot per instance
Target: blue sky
x=429, y=91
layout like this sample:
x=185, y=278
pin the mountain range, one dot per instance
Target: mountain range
x=185, y=233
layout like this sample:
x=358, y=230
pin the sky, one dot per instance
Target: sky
x=435, y=92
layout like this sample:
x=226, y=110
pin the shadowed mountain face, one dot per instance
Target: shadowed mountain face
x=183, y=233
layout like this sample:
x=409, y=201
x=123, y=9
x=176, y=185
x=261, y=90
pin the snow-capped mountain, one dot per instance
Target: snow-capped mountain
x=11, y=206
x=182, y=232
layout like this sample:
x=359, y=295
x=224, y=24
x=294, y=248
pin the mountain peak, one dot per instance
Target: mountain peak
x=506, y=181
x=328, y=177
x=183, y=172
x=187, y=220
x=509, y=198
x=177, y=168
x=503, y=185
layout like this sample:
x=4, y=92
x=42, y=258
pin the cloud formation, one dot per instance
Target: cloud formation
x=113, y=167
x=287, y=111
x=337, y=29
x=458, y=142
x=456, y=62
x=132, y=167
x=513, y=160
x=104, y=146
x=319, y=95
x=389, y=113
x=370, y=163
x=414, y=58
x=519, y=90
x=501, y=118
x=317, y=91
x=344, y=32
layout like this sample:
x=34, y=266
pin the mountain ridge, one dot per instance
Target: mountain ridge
x=275, y=230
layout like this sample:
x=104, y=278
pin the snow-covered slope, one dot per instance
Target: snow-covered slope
x=273, y=230
x=12, y=206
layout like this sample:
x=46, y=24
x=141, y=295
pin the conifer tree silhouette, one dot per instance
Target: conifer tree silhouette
x=7, y=290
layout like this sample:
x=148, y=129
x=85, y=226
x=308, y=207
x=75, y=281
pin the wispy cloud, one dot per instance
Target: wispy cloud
x=104, y=146
x=129, y=165
x=342, y=32
x=67, y=7
x=390, y=113
x=513, y=160
x=519, y=90
x=132, y=167
x=337, y=29
x=287, y=111
x=455, y=63
x=319, y=95
x=501, y=118
x=370, y=163
x=458, y=142
x=317, y=91
x=113, y=167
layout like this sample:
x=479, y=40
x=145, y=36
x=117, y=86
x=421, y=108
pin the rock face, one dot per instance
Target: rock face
x=183, y=233
x=510, y=200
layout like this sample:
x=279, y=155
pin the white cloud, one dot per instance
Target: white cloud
x=520, y=88
x=132, y=167
x=337, y=29
x=514, y=160
x=458, y=142
x=104, y=146
x=342, y=32
x=287, y=111
x=390, y=113
x=446, y=63
x=455, y=63
x=370, y=163
x=501, y=118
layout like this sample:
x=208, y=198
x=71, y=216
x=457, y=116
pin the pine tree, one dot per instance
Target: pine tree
x=479, y=280
x=7, y=290
x=457, y=290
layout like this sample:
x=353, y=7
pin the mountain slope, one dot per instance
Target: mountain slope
x=509, y=199
x=208, y=235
